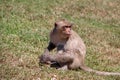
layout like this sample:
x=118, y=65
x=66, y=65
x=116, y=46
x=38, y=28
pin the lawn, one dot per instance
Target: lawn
x=24, y=33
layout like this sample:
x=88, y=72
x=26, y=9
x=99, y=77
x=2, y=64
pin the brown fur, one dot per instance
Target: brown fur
x=71, y=50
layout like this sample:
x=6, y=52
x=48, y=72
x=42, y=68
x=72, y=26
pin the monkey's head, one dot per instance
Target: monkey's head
x=63, y=27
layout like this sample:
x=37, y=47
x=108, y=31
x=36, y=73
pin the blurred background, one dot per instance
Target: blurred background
x=24, y=33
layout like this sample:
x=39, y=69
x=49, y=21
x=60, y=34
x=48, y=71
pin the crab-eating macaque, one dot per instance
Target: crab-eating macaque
x=71, y=49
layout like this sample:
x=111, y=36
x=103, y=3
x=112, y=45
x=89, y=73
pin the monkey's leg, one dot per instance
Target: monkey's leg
x=61, y=58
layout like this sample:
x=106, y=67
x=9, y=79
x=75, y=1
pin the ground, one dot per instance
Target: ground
x=24, y=33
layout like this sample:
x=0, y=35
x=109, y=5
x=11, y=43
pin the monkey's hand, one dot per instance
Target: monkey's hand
x=44, y=59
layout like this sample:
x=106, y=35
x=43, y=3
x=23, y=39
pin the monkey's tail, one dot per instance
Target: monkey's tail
x=85, y=68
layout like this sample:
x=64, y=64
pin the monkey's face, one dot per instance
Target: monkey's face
x=64, y=28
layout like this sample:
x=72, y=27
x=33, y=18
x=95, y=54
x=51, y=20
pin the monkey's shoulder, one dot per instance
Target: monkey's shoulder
x=75, y=41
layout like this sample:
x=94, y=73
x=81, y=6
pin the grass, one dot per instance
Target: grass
x=25, y=27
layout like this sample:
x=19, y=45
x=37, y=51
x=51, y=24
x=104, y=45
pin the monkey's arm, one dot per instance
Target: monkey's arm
x=50, y=47
x=62, y=58
x=58, y=57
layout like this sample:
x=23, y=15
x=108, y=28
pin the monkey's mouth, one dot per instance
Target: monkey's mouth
x=68, y=34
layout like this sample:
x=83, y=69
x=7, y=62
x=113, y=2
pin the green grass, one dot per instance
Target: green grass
x=25, y=27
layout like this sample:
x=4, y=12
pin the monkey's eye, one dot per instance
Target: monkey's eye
x=66, y=27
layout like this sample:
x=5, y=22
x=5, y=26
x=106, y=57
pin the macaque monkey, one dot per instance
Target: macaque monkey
x=71, y=49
